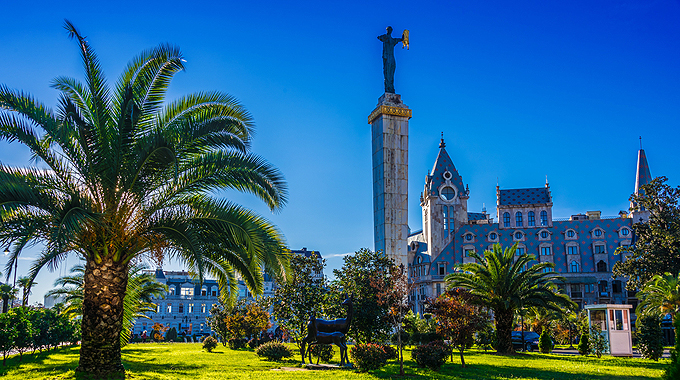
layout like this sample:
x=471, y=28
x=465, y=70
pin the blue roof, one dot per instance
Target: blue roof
x=516, y=197
x=476, y=216
x=442, y=165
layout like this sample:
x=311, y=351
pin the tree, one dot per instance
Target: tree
x=505, y=283
x=459, y=317
x=301, y=295
x=141, y=290
x=371, y=322
x=649, y=336
x=393, y=292
x=158, y=331
x=26, y=283
x=597, y=342
x=7, y=336
x=7, y=292
x=127, y=175
x=19, y=319
x=218, y=322
x=656, y=249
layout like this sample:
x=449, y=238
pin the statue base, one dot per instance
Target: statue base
x=323, y=367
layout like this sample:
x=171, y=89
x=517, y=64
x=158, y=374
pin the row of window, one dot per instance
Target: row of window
x=544, y=235
x=531, y=219
x=180, y=308
x=189, y=292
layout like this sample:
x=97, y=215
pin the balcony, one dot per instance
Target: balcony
x=578, y=294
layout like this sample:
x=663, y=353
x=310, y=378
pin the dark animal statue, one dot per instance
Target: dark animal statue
x=317, y=337
x=342, y=324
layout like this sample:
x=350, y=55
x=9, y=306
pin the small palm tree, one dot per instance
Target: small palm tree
x=506, y=283
x=142, y=289
x=7, y=292
x=129, y=176
x=26, y=284
x=660, y=296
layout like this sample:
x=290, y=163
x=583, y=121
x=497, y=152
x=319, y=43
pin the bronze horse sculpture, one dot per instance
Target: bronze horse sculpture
x=320, y=331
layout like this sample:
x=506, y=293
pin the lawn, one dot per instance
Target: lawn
x=189, y=361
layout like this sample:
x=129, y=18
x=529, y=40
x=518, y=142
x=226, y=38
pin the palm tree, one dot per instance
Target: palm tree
x=502, y=283
x=7, y=292
x=26, y=284
x=142, y=289
x=129, y=176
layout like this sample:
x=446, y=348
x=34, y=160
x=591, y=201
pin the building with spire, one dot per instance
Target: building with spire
x=583, y=247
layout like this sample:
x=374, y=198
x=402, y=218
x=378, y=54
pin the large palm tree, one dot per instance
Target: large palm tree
x=7, y=292
x=129, y=175
x=142, y=289
x=506, y=283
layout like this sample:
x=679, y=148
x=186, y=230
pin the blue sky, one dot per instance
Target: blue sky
x=522, y=90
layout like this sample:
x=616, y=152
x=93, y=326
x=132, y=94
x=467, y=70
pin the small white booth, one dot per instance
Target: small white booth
x=614, y=323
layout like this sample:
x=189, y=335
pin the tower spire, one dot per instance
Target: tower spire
x=642, y=174
x=442, y=144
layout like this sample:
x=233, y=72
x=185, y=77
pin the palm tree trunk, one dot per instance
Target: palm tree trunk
x=104, y=291
x=504, y=330
x=5, y=303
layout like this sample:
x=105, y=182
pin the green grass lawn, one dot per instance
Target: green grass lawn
x=189, y=361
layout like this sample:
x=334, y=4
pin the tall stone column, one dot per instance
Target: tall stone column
x=389, y=127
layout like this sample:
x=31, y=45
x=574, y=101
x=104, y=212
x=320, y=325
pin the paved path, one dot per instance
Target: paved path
x=636, y=354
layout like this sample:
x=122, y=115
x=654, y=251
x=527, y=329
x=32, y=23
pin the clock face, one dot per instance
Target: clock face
x=448, y=193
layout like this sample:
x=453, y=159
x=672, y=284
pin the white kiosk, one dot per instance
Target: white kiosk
x=614, y=323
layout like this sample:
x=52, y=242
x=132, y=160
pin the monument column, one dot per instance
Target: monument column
x=389, y=127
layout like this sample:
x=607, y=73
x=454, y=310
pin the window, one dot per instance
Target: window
x=544, y=218
x=158, y=309
x=506, y=219
x=445, y=212
x=625, y=232
x=493, y=236
x=439, y=289
x=603, y=286
x=599, y=248
x=203, y=308
x=172, y=290
x=547, y=270
x=468, y=251
x=601, y=266
x=191, y=308
x=518, y=219
x=442, y=269
x=597, y=233
x=544, y=234
x=574, y=267
x=545, y=251
x=203, y=292
x=518, y=235
x=616, y=286
x=181, y=308
x=571, y=233
x=590, y=288
x=448, y=193
x=187, y=291
x=519, y=251
x=531, y=219
x=468, y=237
x=572, y=250
x=169, y=308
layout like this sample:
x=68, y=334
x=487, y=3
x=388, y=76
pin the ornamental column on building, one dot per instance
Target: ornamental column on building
x=389, y=134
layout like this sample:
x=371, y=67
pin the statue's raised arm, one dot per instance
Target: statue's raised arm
x=389, y=64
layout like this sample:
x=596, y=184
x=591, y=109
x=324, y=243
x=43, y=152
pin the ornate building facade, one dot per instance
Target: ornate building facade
x=583, y=247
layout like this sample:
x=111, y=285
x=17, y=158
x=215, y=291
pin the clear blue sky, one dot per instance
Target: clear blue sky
x=521, y=90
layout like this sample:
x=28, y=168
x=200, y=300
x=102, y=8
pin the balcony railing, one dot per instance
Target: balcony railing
x=577, y=294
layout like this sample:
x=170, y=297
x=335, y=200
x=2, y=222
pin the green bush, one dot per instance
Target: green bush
x=672, y=371
x=237, y=344
x=367, y=357
x=432, y=355
x=545, y=344
x=391, y=353
x=584, y=344
x=171, y=335
x=209, y=343
x=254, y=343
x=598, y=343
x=274, y=351
x=323, y=351
x=649, y=336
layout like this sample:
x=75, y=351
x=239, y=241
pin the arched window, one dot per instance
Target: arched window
x=544, y=218
x=601, y=266
x=574, y=267
x=518, y=219
x=445, y=212
x=531, y=219
x=506, y=219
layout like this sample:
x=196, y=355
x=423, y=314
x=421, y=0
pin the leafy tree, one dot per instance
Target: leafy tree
x=301, y=295
x=142, y=289
x=597, y=342
x=7, y=336
x=649, y=336
x=459, y=317
x=371, y=322
x=501, y=283
x=218, y=322
x=127, y=176
x=19, y=319
x=656, y=249
x=7, y=292
x=171, y=335
x=158, y=332
x=545, y=344
x=420, y=330
x=393, y=292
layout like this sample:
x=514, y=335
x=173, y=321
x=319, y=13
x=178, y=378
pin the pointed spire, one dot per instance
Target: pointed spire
x=642, y=174
x=442, y=144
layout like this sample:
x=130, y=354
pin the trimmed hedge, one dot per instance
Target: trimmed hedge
x=367, y=357
x=274, y=351
x=432, y=355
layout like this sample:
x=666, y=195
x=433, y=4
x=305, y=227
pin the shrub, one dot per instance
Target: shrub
x=390, y=352
x=432, y=355
x=485, y=337
x=584, y=344
x=545, y=342
x=367, y=357
x=237, y=343
x=323, y=351
x=254, y=343
x=171, y=335
x=209, y=343
x=649, y=336
x=598, y=343
x=274, y=351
